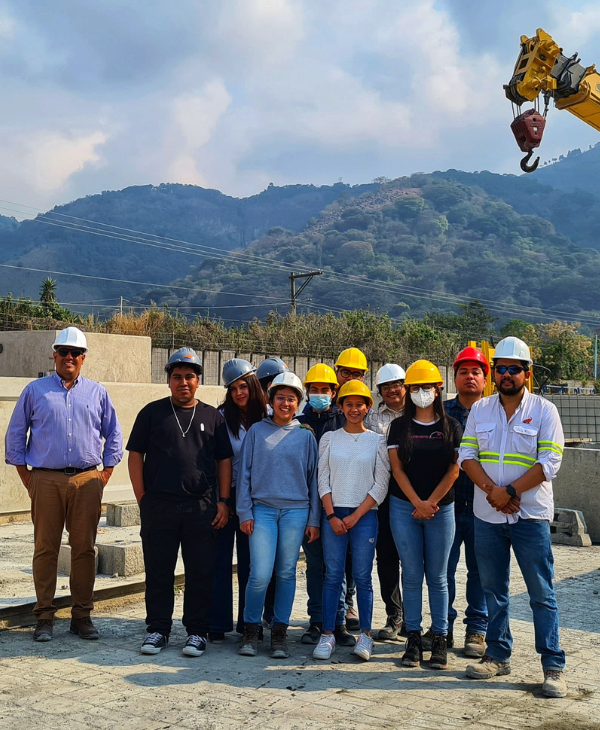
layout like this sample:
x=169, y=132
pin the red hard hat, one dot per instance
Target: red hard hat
x=474, y=355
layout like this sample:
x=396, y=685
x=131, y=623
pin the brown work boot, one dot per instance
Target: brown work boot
x=43, y=630
x=84, y=628
x=474, y=645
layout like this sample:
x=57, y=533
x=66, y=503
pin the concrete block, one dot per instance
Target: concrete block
x=64, y=559
x=569, y=528
x=120, y=558
x=122, y=514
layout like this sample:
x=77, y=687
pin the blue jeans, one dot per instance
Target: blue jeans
x=530, y=541
x=274, y=543
x=315, y=572
x=221, y=610
x=362, y=539
x=476, y=618
x=424, y=547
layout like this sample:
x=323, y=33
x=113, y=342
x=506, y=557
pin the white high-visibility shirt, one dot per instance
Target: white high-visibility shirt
x=507, y=449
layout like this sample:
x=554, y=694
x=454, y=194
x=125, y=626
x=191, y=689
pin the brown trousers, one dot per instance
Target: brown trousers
x=75, y=501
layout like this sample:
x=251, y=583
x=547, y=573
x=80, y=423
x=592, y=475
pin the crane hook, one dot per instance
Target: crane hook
x=529, y=168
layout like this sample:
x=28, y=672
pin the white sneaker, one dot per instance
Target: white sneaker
x=325, y=648
x=364, y=647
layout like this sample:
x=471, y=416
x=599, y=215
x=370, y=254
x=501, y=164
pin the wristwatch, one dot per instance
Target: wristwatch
x=226, y=501
x=512, y=491
x=330, y=517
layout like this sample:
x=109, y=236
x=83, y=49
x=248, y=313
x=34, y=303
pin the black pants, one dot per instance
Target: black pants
x=388, y=563
x=165, y=525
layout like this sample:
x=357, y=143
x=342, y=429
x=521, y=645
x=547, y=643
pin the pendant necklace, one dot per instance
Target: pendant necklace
x=183, y=433
x=355, y=437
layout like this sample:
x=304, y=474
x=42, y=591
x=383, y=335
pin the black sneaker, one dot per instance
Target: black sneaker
x=439, y=652
x=154, y=642
x=279, y=647
x=343, y=637
x=413, y=653
x=249, y=642
x=312, y=635
x=216, y=637
x=391, y=630
x=195, y=645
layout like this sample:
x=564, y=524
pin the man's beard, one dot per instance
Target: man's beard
x=511, y=389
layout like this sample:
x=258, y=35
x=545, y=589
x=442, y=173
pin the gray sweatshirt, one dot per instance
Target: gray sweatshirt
x=278, y=468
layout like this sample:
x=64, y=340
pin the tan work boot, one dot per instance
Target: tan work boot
x=474, y=645
x=43, y=630
x=554, y=683
x=487, y=668
x=84, y=628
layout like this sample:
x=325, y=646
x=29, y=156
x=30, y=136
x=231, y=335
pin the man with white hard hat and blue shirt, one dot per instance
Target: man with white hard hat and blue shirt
x=57, y=428
x=512, y=449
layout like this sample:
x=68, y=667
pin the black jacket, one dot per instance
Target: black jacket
x=323, y=422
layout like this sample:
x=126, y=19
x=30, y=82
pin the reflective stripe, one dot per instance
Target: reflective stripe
x=521, y=456
x=490, y=453
x=557, y=447
x=549, y=448
x=470, y=438
x=506, y=461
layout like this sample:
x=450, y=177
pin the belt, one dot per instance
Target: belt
x=71, y=470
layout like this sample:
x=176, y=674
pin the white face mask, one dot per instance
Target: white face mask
x=424, y=398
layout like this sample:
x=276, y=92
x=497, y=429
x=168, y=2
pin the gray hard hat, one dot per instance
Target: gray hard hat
x=271, y=367
x=184, y=356
x=235, y=369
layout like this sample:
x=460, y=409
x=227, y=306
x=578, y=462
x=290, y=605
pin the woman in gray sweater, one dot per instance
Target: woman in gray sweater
x=277, y=503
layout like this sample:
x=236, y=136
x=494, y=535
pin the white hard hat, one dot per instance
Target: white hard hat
x=512, y=348
x=70, y=337
x=389, y=373
x=290, y=380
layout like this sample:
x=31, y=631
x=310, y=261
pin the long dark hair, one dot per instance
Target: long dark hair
x=257, y=407
x=404, y=427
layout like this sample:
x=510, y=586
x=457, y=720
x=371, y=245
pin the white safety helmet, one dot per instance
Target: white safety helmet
x=512, y=348
x=290, y=380
x=70, y=337
x=389, y=373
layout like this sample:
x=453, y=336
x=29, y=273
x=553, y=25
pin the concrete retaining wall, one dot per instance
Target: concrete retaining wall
x=577, y=486
x=110, y=359
x=128, y=399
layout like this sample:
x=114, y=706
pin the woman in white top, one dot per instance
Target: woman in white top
x=353, y=481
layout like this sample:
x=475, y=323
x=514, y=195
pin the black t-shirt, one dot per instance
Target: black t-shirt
x=178, y=466
x=430, y=457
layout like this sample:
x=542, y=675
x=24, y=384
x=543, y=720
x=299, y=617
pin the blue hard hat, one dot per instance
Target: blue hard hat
x=271, y=367
x=235, y=369
x=184, y=356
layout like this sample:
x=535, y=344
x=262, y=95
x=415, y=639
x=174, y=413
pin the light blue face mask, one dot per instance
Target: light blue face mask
x=320, y=402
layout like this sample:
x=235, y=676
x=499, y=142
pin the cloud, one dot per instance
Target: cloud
x=234, y=94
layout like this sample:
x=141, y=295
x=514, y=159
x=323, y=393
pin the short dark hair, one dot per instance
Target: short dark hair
x=196, y=368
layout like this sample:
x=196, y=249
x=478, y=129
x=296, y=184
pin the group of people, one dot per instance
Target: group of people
x=407, y=482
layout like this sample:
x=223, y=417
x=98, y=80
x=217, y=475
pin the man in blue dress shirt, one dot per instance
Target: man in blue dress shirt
x=57, y=429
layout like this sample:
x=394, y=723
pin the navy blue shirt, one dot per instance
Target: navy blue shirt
x=463, y=486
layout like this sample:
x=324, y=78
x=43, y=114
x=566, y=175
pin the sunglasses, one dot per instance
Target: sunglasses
x=510, y=369
x=64, y=351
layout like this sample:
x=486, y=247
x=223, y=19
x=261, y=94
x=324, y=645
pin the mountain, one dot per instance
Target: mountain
x=405, y=248
x=8, y=224
x=61, y=240
x=575, y=171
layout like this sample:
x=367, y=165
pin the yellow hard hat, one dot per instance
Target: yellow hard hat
x=355, y=387
x=352, y=358
x=422, y=372
x=321, y=373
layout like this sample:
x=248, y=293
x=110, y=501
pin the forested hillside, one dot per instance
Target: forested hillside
x=62, y=240
x=389, y=249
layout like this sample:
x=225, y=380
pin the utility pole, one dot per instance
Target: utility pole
x=121, y=306
x=596, y=358
x=294, y=294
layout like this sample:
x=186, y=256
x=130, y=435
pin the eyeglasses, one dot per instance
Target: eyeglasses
x=510, y=369
x=64, y=351
x=351, y=374
x=281, y=399
x=417, y=388
x=396, y=385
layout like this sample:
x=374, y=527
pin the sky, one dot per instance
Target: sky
x=236, y=94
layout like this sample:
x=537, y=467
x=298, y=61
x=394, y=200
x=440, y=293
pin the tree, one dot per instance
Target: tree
x=564, y=351
x=48, y=294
